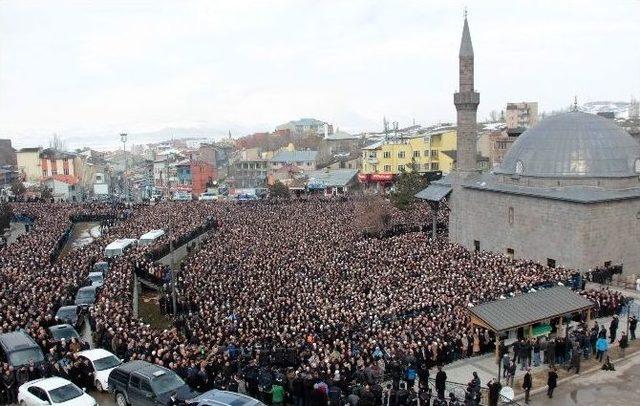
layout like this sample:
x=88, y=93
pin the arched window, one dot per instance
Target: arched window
x=519, y=168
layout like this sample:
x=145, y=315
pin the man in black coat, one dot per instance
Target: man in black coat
x=613, y=328
x=441, y=379
x=633, y=323
x=526, y=385
x=552, y=382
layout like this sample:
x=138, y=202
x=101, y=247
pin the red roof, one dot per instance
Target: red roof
x=68, y=179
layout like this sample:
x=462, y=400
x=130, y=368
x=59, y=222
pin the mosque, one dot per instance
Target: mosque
x=566, y=194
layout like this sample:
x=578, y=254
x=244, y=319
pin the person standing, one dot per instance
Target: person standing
x=633, y=323
x=536, y=353
x=601, y=348
x=624, y=343
x=526, y=385
x=613, y=328
x=552, y=381
x=494, y=392
x=441, y=379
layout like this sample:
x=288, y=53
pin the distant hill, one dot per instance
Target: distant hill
x=620, y=109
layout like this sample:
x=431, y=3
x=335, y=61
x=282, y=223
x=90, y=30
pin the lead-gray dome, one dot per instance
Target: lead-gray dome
x=573, y=144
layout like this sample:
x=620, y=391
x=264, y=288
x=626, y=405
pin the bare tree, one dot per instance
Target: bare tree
x=57, y=143
x=372, y=215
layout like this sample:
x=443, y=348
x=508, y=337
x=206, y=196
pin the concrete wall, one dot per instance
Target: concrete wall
x=29, y=164
x=575, y=235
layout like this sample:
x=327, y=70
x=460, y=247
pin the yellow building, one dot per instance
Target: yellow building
x=384, y=159
x=29, y=163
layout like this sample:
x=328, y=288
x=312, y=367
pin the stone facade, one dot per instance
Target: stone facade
x=466, y=102
x=574, y=235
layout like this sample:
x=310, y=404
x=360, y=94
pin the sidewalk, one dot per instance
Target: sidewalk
x=485, y=365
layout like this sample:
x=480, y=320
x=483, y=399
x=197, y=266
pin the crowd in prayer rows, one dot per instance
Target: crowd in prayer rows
x=290, y=292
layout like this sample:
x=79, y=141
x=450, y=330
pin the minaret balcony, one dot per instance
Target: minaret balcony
x=466, y=99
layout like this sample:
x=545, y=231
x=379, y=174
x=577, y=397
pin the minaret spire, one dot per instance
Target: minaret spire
x=466, y=101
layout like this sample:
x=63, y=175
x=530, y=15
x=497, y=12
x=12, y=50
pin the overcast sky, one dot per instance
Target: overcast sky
x=89, y=69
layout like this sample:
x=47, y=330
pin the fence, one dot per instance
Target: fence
x=456, y=394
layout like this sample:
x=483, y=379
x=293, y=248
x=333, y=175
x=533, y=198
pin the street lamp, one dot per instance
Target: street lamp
x=123, y=139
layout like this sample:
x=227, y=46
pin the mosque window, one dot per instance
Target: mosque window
x=519, y=168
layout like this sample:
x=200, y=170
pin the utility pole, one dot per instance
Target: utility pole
x=123, y=139
x=171, y=248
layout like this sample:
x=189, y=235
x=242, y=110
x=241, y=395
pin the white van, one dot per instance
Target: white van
x=119, y=247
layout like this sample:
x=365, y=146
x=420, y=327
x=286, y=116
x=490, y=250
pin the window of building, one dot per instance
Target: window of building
x=434, y=166
x=66, y=171
x=476, y=245
x=372, y=154
x=511, y=215
x=426, y=153
x=387, y=168
x=637, y=165
x=434, y=153
x=551, y=263
x=54, y=172
x=44, y=173
x=387, y=154
x=400, y=167
x=510, y=252
x=416, y=154
x=400, y=154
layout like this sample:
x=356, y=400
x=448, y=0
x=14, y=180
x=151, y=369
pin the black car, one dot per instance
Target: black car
x=71, y=315
x=19, y=349
x=65, y=331
x=145, y=384
x=86, y=296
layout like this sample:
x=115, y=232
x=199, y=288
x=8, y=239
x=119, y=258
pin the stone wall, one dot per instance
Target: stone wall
x=575, y=235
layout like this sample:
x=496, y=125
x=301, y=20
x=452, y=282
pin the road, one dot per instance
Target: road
x=610, y=388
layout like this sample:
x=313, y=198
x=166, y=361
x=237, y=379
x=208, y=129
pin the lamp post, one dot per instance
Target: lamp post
x=123, y=139
x=171, y=247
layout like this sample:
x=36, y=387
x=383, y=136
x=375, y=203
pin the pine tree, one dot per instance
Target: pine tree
x=408, y=183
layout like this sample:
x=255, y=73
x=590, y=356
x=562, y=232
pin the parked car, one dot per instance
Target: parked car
x=182, y=196
x=101, y=266
x=96, y=279
x=86, y=296
x=18, y=348
x=145, y=384
x=102, y=362
x=217, y=397
x=71, y=315
x=65, y=331
x=209, y=196
x=53, y=391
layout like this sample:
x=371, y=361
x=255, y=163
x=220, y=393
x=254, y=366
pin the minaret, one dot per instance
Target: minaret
x=466, y=101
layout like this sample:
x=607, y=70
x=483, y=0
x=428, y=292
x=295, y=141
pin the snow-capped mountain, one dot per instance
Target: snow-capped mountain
x=620, y=109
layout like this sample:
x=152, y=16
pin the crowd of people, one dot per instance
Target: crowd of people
x=287, y=293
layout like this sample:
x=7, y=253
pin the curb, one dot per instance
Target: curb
x=543, y=388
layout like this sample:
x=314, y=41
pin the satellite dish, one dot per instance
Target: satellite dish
x=507, y=393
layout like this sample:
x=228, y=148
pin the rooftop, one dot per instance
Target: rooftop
x=295, y=156
x=574, y=144
x=528, y=308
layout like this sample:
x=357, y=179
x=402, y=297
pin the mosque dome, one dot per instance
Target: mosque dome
x=573, y=145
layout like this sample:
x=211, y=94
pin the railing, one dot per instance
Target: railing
x=457, y=394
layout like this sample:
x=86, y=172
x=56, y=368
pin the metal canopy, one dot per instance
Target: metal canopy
x=434, y=193
x=529, y=308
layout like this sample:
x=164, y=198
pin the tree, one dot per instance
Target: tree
x=279, y=190
x=372, y=215
x=17, y=188
x=57, y=143
x=408, y=183
x=46, y=193
x=5, y=215
x=493, y=116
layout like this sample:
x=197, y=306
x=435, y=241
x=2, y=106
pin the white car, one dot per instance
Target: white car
x=209, y=196
x=53, y=391
x=102, y=362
